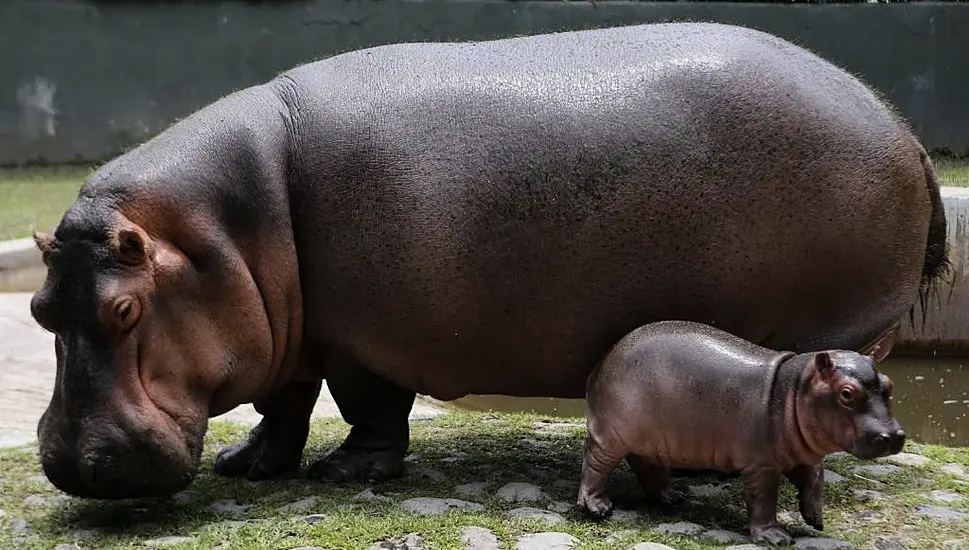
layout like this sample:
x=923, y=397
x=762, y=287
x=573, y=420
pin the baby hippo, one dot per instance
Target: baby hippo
x=682, y=395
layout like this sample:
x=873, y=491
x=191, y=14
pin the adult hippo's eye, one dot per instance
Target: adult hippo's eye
x=126, y=312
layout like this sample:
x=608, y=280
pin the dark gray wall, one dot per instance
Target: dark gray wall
x=84, y=80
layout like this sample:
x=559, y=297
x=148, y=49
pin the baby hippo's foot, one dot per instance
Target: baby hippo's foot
x=655, y=480
x=812, y=516
x=596, y=507
x=774, y=535
x=809, y=481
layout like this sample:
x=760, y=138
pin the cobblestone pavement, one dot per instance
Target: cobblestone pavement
x=27, y=371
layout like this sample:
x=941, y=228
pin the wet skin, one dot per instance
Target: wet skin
x=687, y=395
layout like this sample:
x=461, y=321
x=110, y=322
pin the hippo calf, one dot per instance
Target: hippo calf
x=677, y=394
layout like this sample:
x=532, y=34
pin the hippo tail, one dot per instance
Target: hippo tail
x=935, y=267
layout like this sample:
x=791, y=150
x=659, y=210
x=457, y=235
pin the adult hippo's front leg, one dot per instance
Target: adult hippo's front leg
x=377, y=411
x=275, y=445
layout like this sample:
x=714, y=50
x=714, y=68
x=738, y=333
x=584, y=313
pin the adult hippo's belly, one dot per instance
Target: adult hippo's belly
x=449, y=219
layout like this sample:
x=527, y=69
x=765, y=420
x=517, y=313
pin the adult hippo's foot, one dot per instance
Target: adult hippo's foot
x=377, y=410
x=359, y=464
x=271, y=449
x=275, y=446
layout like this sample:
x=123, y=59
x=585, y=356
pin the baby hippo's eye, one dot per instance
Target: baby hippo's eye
x=847, y=396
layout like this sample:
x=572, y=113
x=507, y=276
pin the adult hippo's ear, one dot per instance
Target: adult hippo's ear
x=823, y=365
x=133, y=247
x=45, y=243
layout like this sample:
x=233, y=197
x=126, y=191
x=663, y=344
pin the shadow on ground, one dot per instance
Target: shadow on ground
x=511, y=474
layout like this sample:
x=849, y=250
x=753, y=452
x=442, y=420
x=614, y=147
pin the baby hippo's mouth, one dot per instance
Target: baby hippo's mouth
x=878, y=444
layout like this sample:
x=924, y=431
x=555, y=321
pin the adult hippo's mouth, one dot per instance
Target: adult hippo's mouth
x=121, y=452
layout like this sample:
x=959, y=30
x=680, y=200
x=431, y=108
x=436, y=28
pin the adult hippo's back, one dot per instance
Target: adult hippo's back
x=463, y=218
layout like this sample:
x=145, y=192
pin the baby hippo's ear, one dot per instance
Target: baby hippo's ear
x=823, y=365
x=886, y=384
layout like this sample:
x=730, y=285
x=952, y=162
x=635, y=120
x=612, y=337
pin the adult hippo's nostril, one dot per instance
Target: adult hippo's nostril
x=87, y=472
x=92, y=467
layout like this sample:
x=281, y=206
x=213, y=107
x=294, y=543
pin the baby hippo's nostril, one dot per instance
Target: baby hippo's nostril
x=882, y=439
x=898, y=441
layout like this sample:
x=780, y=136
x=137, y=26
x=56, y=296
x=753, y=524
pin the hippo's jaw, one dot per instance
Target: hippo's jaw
x=118, y=456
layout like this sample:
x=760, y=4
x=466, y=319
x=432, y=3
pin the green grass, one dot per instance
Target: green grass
x=953, y=172
x=35, y=198
x=457, y=448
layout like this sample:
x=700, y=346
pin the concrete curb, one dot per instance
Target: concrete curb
x=944, y=331
x=21, y=268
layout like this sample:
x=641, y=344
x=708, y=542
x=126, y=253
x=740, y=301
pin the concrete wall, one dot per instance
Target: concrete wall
x=84, y=80
x=945, y=327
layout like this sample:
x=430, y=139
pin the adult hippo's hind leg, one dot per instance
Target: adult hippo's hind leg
x=275, y=446
x=377, y=411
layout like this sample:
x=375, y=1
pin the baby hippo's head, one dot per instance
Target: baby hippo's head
x=850, y=402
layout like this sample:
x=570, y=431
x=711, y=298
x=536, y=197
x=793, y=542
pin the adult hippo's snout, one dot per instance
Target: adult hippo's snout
x=115, y=456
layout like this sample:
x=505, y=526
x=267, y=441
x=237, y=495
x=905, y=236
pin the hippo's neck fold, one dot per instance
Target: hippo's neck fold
x=799, y=438
x=215, y=186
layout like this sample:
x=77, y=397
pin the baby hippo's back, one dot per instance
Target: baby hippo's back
x=684, y=395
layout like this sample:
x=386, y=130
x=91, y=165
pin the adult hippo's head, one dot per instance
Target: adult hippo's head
x=173, y=295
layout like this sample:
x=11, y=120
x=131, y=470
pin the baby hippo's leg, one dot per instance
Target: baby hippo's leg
x=655, y=481
x=760, y=492
x=599, y=460
x=809, y=481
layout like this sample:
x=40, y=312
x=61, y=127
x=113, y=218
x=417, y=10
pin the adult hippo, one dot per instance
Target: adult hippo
x=447, y=219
